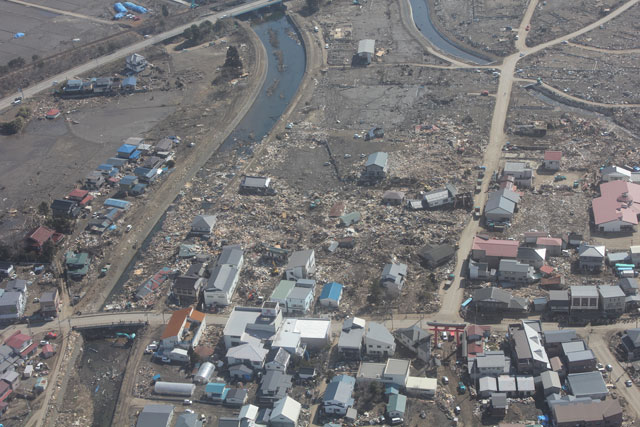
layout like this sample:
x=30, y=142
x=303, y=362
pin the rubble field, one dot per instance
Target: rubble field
x=553, y=19
x=618, y=34
x=489, y=26
x=586, y=74
x=379, y=20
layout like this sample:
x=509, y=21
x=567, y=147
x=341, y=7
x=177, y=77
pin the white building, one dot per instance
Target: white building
x=612, y=299
x=221, y=285
x=301, y=265
x=135, y=63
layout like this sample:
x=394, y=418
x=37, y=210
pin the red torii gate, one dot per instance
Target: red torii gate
x=457, y=328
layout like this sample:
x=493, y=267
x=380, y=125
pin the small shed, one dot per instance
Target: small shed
x=366, y=51
x=175, y=389
x=397, y=405
x=393, y=197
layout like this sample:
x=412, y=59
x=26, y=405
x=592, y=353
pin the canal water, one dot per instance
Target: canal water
x=420, y=11
x=286, y=64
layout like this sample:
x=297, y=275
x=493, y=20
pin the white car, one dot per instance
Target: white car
x=17, y=101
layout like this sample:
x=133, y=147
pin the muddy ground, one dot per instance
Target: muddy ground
x=619, y=34
x=481, y=24
x=553, y=19
x=586, y=74
x=92, y=390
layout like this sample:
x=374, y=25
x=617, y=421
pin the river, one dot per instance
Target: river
x=422, y=19
x=286, y=64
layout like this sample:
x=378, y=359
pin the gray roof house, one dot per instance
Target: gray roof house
x=493, y=300
x=251, y=354
x=629, y=285
x=498, y=208
x=441, y=197
x=435, y=255
x=338, y=396
x=350, y=341
x=274, y=386
x=278, y=360
x=587, y=384
x=612, y=299
x=533, y=256
x=393, y=277
x=492, y=363
x=155, y=416
x=631, y=344
x=591, y=257
x=376, y=166
x=221, y=285
x=301, y=265
x=417, y=340
x=187, y=419
x=202, y=225
x=232, y=255
x=550, y=382
x=378, y=341
x=512, y=272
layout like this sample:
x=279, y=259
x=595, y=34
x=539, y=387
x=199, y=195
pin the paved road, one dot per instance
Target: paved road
x=128, y=50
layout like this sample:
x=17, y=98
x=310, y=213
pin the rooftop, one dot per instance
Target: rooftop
x=496, y=247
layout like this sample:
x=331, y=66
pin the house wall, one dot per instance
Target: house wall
x=328, y=302
x=551, y=164
x=282, y=422
x=615, y=304
x=375, y=348
x=498, y=215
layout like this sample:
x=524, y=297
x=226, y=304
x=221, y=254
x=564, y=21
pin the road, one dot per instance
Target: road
x=128, y=50
x=452, y=298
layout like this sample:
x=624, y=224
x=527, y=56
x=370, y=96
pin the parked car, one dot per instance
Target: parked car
x=609, y=368
x=51, y=335
x=445, y=380
x=628, y=383
x=187, y=402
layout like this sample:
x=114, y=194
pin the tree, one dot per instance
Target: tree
x=233, y=58
x=34, y=57
x=313, y=5
x=43, y=208
x=16, y=62
x=165, y=10
x=48, y=251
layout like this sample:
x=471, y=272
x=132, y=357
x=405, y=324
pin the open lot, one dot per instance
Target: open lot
x=619, y=34
x=481, y=25
x=45, y=32
x=555, y=18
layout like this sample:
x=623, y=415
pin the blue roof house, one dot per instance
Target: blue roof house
x=338, y=396
x=117, y=203
x=331, y=295
x=126, y=150
x=128, y=182
x=216, y=391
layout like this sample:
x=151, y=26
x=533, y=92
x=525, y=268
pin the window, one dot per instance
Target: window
x=585, y=302
x=593, y=302
x=576, y=301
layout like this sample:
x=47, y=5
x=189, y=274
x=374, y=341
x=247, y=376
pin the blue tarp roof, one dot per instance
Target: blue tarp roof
x=127, y=148
x=128, y=180
x=135, y=155
x=129, y=81
x=332, y=291
x=18, y=35
x=105, y=167
x=117, y=203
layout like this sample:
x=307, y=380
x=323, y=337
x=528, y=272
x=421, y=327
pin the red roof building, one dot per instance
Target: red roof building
x=547, y=270
x=54, y=113
x=5, y=391
x=618, y=206
x=493, y=250
x=553, y=155
x=38, y=238
x=47, y=351
x=21, y=344
x=77, y=194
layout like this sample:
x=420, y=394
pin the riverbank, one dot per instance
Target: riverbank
x=163, y=197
